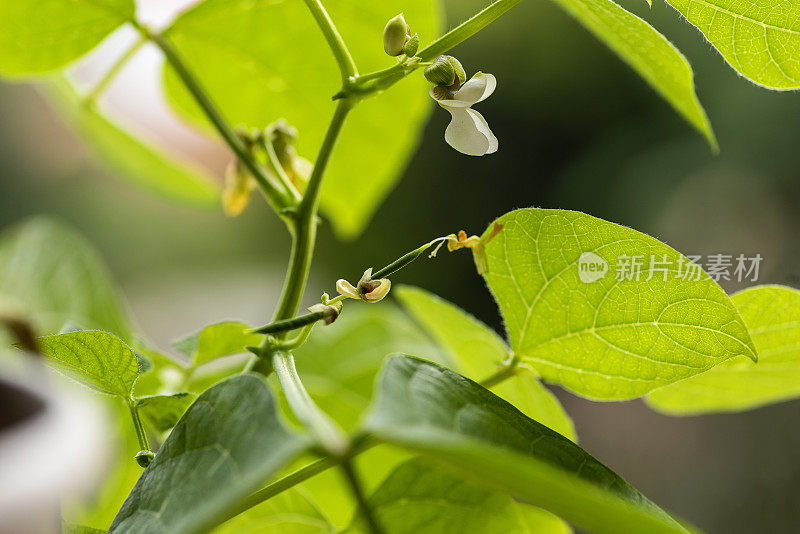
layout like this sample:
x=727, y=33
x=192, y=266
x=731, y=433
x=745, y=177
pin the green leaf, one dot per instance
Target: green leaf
x=255, y=79
x=478, y=350
x=290, y=512
x=339, y=363
x=37, y=37
x=228, y=443
x=614, y=337
x=217, y=340
x=772, y=315
x=97, y=359
x=418, y=497
x=54, y=276
x=134, y=160
x=80, y=529
x=761, y=40
x=647, y=52
x=466, y=428
x=164, y=411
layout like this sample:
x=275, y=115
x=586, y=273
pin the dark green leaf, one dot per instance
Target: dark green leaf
x=228, y=443
x=418, y=497
x=466, y=428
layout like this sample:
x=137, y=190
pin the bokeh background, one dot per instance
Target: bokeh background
x=578, y=130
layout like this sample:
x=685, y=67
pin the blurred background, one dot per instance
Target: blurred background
x=578, y=130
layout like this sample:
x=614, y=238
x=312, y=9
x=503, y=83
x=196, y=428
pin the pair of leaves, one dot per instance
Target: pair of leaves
x=577, y=311
x=772, y=315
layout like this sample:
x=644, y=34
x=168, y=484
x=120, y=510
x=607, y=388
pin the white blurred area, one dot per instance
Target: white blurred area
x=135, y=99
x=60, y=450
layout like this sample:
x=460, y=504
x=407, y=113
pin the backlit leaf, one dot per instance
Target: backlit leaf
x=580, y=312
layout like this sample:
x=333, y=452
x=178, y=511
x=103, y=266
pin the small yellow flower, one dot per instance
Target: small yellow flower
x=474, y=243
x=238, y=186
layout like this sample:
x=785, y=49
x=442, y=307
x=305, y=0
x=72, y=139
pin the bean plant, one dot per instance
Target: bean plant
x=364, y=413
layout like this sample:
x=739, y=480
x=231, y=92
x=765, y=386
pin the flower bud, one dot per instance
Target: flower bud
x=395, y=35
x=331, y=312
x=461, y=76
x=143, y=458
x=440, y=72
x=412, y=45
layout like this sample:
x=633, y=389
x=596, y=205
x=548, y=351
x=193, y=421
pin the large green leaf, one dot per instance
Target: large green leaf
x=772, y=314
x=648, y=52
x=42, y=36
x=239, y=51
x=760, y=39
x=97, y=359
x=418, y=497
x=218, y=340
x=226, y=445
x=466, y=428
x=136, y=161
x=290, y=512
x=605, y=334
x=54, y=276
x=478, y=350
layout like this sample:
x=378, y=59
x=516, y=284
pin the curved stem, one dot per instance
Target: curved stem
x=319, y=425
x=141, y=433
x=345, y=61
x=279, y=198
x=109, y=76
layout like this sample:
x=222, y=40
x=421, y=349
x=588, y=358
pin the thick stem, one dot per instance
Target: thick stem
x=109, y=76
x=277, y=196
x=343, y=58
x=358, y=493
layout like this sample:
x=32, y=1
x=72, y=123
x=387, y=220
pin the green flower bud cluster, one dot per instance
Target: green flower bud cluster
x=397, y=38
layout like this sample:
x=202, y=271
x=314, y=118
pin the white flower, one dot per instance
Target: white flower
x=468, y=132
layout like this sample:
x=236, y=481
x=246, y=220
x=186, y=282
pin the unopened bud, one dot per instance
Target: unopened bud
x=395, y=35
x=411, y=46
x=440, y=72
x=331, y=312
x=144, y=458
x=238, y=186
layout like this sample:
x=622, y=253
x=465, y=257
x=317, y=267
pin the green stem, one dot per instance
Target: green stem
x=277, y=169
x=358, y=493
x=109, y=76
x=508, y=369
x=141, y=434
x=288, y=325
x=320, y=426
x=345, y=61
x=305, y=222
x=295, y=478
x=277, y=196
